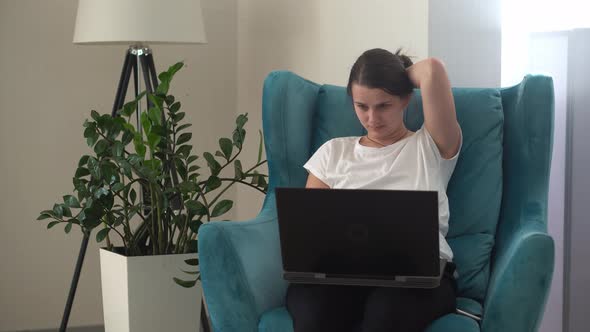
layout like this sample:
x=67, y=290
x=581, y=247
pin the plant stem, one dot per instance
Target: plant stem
x=236, y=180
x=153, y=241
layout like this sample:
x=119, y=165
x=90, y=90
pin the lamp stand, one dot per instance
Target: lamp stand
x=143, y=55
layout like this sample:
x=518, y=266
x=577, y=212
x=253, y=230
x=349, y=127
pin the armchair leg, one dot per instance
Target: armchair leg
x=205, y=323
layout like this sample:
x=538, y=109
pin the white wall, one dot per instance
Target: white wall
x=548, y=53
x=577, y=249
x=48, y=88
x=318, y=40
x=467, y=36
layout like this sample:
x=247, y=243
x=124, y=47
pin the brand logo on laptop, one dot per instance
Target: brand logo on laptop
x=357, y=233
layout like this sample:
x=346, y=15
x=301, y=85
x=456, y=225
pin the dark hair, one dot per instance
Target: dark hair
x=380, y=69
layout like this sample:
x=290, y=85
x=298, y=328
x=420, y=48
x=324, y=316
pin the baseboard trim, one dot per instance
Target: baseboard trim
x=96, y=328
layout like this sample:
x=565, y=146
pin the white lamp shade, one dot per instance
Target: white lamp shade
x=139, y=21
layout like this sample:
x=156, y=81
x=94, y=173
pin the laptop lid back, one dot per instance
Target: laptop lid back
x=352, y=232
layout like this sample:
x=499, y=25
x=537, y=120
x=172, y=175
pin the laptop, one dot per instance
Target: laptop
x=362, y=237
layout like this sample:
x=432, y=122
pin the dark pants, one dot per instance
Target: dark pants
x=368, y=309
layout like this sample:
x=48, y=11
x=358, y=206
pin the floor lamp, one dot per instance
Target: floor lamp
x=136, y=23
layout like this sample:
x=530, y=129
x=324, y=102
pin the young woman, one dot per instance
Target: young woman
x=389, y=157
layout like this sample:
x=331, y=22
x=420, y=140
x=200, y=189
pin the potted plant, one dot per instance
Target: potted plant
x=144, y=194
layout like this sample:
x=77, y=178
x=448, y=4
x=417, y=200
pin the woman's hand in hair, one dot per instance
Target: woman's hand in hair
x=422, y=70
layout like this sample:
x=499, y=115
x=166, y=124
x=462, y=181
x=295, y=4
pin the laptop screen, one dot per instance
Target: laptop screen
x=359, y=232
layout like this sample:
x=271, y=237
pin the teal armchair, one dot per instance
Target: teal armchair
x=497, y=196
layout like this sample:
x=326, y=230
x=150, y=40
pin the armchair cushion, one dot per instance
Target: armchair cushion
x=276, y=320
x=334, y=116
x=453, y=322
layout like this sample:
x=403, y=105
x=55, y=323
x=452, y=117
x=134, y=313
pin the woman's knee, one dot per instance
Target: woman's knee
x=406, y=309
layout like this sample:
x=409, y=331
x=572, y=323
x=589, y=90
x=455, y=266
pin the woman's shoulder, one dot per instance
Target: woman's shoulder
x=339, y=143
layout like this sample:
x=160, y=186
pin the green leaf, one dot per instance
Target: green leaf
x=183, y=138
x=68, y=227
x=93, y=215
x=71, y=201
x=212, y=163
x=140, y=96
x=191, y=272
x=185, y=284
x=129, y=108
x=213, y=182
x=191, y=159
x=193, y=168
x=134, y=159
x=100, y=192
x=94, y=114
x=53, y=223
x=157, y=101
x=117, y=187
x=140, y=149
x=221, y=208
x=178, y=116
x=117, y=149
x=163, y=88
x=81, y=172
x=260, y=147
x=58, y=211
x=226, y=147
x=184, y=150
x=194, y=226
x=90, y=131
x=238, y=137
x=109, y=172
x=154, y=164
x=184, y=126
x=155, y=115
x=187, y=187
x=83, y=161
x=196, y=207
x=127, y=137
x=102, y=234
x=175, y=107
x=132, y=196
x=238, y=169
x=44, y=216
x=178, y=220
x=145, y=123
x=192, y=261
x=164, y=76
x=115, y=129
x=180, y=168
x=92, y=139
x=101, y=146
x=153, y=140
x=241, y=120
x=174, y=68
x=169, y=100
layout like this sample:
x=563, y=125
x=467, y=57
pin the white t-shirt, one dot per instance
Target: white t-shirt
x=413, y=163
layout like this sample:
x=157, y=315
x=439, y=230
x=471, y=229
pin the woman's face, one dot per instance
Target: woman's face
x=378, y=111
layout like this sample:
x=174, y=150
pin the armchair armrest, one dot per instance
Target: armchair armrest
x=241, y=270
x=520, y=281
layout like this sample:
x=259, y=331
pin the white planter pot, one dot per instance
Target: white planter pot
x=139, y=295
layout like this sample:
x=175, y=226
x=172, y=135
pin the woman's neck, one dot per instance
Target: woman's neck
x=380, y=142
